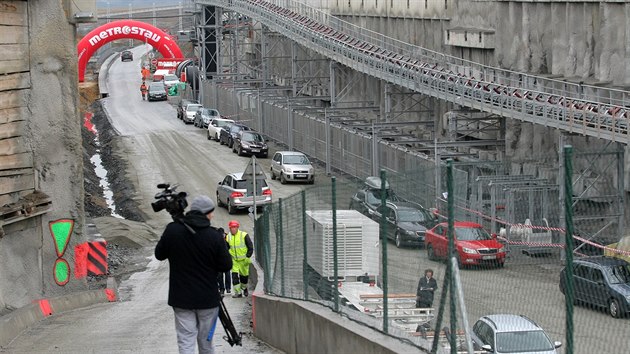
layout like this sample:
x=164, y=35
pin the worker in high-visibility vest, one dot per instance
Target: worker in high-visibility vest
x=241, y=250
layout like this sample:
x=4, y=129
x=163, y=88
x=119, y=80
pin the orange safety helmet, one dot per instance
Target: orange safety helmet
x=233, y=223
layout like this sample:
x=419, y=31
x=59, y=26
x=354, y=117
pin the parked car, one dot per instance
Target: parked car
x=368, y=197
x=204, y=116
x=216, y=125
x=507, y=333
x=292, y=166
x=249, y=142
x=233, y=194
x=473, y=244
x=227, y=134
x=181, y=107
x=405, y=223
x=190, y=111
x=602, y=282
x=170, y=80
x=157, y=92
x=126, y=55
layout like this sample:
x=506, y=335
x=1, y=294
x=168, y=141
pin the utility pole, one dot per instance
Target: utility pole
x=130, y=16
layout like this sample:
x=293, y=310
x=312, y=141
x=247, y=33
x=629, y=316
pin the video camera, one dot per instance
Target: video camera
x=174, y=203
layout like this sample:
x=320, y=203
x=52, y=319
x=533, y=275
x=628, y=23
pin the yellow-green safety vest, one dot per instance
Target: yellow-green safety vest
x=238, y=248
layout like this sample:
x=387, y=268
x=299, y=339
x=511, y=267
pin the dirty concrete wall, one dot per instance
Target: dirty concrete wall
x=312, y=328
x=27, y=251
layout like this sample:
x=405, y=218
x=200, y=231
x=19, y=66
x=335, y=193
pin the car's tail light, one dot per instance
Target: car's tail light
x=267, y=192
x=237, y=195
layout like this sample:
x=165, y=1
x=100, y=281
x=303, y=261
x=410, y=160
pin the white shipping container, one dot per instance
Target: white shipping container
x=357, y=243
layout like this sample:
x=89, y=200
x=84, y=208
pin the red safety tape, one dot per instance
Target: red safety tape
x=111, y=295
x=535, y=244
x=44, y=306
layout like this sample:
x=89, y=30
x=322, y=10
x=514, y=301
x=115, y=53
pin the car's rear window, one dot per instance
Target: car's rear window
x=242, y=184
x=193, y=107
x=223, y=123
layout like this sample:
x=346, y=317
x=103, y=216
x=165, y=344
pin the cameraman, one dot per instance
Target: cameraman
x=195, y=260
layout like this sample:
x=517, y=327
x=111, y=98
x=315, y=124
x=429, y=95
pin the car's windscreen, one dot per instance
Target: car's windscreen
x=242, y=184
x=521, y=342
x=619, y=274
x=413, y=215
x=471, y=234
x=193, y=107
x=223, y=123
x=213, y=113
x=252, y=137
x=295, y=160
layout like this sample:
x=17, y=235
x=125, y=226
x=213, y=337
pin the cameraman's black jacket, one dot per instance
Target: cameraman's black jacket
x=194, y=260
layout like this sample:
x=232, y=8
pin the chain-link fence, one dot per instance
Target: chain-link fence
x=352, y=246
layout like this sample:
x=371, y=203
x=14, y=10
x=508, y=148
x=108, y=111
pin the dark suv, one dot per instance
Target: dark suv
x=228, y=133
x=405, y=223
x=250, y=143
x=601, y=282
x=368, y=198
x=126, y=56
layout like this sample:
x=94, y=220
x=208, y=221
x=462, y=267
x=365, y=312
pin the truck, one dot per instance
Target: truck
x=358, y=270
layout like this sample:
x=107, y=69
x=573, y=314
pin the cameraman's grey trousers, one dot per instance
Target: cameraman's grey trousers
x=192, y=327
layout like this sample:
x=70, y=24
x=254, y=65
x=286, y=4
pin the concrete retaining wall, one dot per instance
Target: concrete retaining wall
x=303, y=327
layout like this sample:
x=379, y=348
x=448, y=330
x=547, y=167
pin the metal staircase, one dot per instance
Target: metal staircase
x=576, y=108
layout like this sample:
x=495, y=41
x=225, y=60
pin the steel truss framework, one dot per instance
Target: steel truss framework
x=572, y=108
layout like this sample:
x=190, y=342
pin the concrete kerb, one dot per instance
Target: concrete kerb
x=102, y=75
x=14, y=323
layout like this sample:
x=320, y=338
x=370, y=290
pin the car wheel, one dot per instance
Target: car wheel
x=613, y=308
x=273, y=175
x=230, y=143
x=208, y=135
x=219, y=202
x=431, y=253
x=234, y=148
x=221, y=141
x=283, y=180
x=398, y=240
x=216, y=136
x=240, y=151
x=231, y=209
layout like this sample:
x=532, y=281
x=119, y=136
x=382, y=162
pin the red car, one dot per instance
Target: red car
x=475, y=246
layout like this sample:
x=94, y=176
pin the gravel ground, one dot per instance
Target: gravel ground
x=123, y=256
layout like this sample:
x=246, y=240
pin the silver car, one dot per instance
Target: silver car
x=292, y=166
x=507, y=333
x=234, y=194
x=190, y=111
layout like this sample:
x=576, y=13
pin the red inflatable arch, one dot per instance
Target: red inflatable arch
x=161, y=41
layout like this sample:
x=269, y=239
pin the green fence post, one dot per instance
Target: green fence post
x=281, y=246
x=451, y=252
x=335, y=250
x=305, y=279
x=568, y=270
x=267, y=251
x=383, y=236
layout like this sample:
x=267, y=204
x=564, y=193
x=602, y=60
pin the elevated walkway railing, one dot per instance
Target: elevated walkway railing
x=584, y=109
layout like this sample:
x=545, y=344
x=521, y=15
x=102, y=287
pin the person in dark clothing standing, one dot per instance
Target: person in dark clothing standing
x=195, y=260
x=426, y=288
